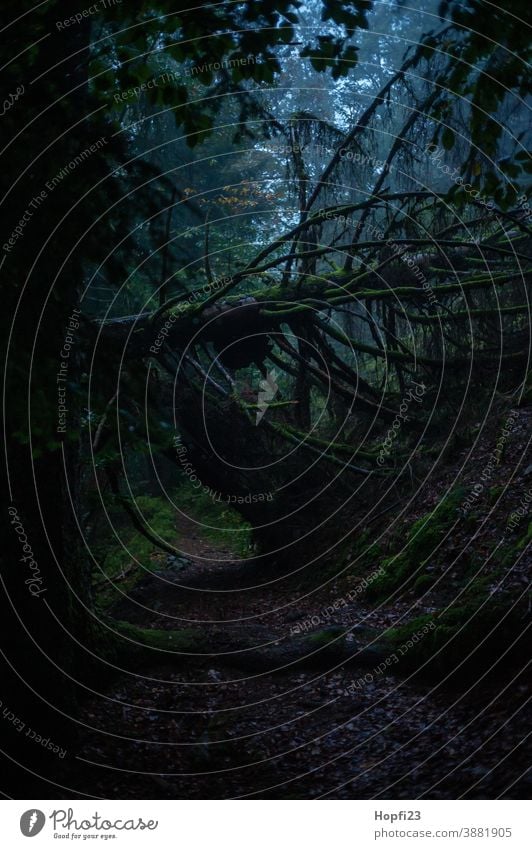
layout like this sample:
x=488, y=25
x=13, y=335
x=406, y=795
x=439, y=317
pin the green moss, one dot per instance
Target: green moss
x=401, y=570
x=228, y=529
x=117, y=552
x=469, y=638
x=130, y=645
x=423, y=584
x=513, y=547
x=526, y=397
x=395, y=637
x=126, y=555
x=362, y=555
x=495, y=493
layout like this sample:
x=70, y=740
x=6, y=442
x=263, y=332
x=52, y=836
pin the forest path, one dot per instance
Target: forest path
x=195, y=546
x=212, y=728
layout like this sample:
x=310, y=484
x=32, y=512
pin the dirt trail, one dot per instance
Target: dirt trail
x=210, y=728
